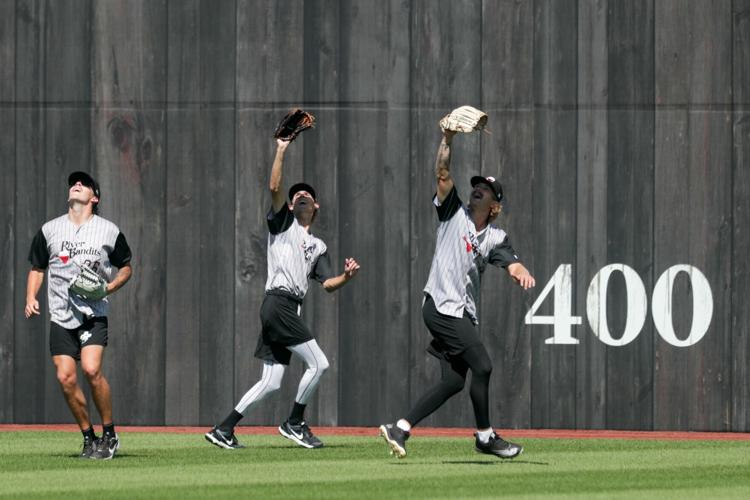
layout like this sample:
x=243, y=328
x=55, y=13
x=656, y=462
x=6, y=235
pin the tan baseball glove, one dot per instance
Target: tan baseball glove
x=464, y=119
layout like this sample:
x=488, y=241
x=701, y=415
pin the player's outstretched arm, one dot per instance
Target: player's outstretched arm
x=351, y=267
x=521, y=275
x=33, y=284
x=443, y=165
x=122, y=277
x=275, y=185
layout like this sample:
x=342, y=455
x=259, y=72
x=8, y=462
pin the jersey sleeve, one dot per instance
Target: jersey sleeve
x=121, y=254
x=39, y=253
x=322, y=269
x=280, y=221
x=503, y=255
x=449, y=206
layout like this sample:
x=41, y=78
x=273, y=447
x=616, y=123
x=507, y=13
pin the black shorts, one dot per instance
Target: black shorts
x=93, y=331
x=450, y=336
x=282, y=327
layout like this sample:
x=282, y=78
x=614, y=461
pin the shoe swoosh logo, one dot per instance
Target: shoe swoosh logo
x=295, y=434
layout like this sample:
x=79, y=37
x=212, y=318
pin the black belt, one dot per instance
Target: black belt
x=283, y=293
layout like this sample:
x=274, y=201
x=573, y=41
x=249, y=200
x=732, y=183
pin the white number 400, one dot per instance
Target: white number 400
x=596, y=305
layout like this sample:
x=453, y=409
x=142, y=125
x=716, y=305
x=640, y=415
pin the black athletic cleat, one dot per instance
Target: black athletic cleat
x=396, y=439
x=106, y=447
x=89, y=447
x=498, y=446
x=300, y=434
x=222, y=439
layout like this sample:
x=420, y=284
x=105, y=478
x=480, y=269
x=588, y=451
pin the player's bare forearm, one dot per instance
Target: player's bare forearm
x=443, y=165
x=277, y=194
x=122, y=277
x=521, y=275
x=33, y=285
x=351, y=267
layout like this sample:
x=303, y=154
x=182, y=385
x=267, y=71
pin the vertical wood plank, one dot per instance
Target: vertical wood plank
x=507, y=154
x=31, y=349
x=444, y=44
x=591, y=211
x=693, y=212
x=67, y=92
x=629, y=212
x=183, y=235
x=740, y=284
x=265, y=91
x=200, y=298
x=129, y=50
x=321, y=161
x=374, y=211
x=555, y=93
x=10, y=310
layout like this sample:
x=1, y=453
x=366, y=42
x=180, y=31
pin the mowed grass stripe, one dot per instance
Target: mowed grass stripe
x=185, y=466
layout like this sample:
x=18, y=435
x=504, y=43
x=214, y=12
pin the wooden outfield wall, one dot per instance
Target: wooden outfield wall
x=620, y=130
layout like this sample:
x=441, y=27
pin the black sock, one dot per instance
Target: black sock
x=298, y=414
x=89, y=434
x=108, y=429
x=227, y=426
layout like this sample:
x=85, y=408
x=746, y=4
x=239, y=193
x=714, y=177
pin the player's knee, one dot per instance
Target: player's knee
x=454, y=384
x=92, y=372
x=322, y=366
x=66, y=379
x=273, y=386
x=482, y=369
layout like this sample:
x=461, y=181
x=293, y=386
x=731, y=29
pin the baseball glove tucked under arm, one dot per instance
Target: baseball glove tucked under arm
x=89, y=285
x=295, y=122
x=464, y=119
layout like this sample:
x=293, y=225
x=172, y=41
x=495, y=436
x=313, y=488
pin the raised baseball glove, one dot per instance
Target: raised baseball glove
x=88, y=285
x=294, y=123
x=464, y=119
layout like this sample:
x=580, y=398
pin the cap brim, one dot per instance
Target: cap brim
x=477, y=179
x=83, y=177
x=301, y=186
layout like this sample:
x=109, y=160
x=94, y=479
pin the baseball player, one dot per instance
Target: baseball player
x=294, y=257
x=78, y=328
x=466, y=242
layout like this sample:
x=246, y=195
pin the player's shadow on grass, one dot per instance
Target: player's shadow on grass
x=481, y=462
x=119, y=456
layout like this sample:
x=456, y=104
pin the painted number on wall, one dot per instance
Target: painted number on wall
x=637, y=305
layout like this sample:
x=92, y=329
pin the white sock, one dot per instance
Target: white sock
x=484, y=435
x=403, y=425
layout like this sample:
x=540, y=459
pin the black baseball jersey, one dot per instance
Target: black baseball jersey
x=61, y=248
x=461, y=256
x=294, y=255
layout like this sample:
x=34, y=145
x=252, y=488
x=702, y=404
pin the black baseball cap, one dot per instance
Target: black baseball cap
x=301, y=186
x=86, y=180
x=493, y=183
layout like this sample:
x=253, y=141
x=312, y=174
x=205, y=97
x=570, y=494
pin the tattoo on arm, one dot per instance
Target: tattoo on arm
x=442, y=170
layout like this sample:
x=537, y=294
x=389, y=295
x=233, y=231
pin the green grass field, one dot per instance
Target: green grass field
x=43, y=464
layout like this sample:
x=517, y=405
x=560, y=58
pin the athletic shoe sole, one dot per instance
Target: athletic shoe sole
x=111, y=455
x=396, y=449
x=295, y=439
x=520, y=450
x=221, y=444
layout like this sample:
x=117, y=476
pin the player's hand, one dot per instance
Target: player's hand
x=281, y=144
x=32, y=308
x=350, y=268
x=448, y=134
x=521, y=275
